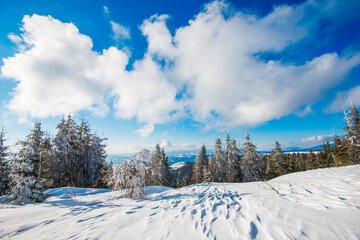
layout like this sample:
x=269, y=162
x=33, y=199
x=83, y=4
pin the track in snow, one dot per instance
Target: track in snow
x=319, y=204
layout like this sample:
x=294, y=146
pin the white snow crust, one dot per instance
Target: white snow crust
x=317, y=204
x=178, y=165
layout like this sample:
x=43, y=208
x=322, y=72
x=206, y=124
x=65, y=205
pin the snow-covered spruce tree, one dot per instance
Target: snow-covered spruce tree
x=66, y=146
x=85, y=157
x=159, y=172
x=46, y=162
x=25, y=171
x=217, y=165
x=228, y=159
x=98, y=168
x=252, y=166
x=130, y=176
x=4, y=166
x=235, y=175
x=231, y=161
x=79, y=155
x=212, y=172
x=201, y=163
x=352, y=138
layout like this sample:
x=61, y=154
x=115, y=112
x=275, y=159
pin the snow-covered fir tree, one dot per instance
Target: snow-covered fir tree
x=66, y=146
x=79, y=155
x=4, y=166
x=232, y=168
x=26, y=169
x=252, y=164
x=217, y=165
x=130, y=176
x=144, y=156
x=97, y=166
x=47, y=159
x=235, y=175
x=212, y=170
x=201, y=166
x=228, y=159
x=159, y=171
x=353, y=134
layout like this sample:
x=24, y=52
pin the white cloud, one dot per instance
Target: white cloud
x=106, y=10
x=216, y=57
x=315, y=140
x=212, y=72
x=304, y=112
x=52, y=72
x=122, y=148
x=120, y=32
x=15, y=38
x=344, y=99
x=145, y=131
x=165, y=143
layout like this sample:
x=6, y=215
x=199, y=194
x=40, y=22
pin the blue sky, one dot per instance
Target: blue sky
x=181, y=73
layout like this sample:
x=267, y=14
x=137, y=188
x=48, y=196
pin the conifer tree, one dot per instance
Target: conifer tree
x=217, y=165
x=276, y=164
x=160, y=170
x=252, y=166
x=212, y=173
x=79, y=155
x=311, y=160
x=201, y=163
x=352, y=138
x=66, y=146
x=26, y=168
x=46, y=169
x=323, y=156
x=228, y=161
x=234, y=174
x=4, y=166
x=340, y=153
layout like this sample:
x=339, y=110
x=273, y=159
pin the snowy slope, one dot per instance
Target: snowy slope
x=318, y=204
x=178, y=165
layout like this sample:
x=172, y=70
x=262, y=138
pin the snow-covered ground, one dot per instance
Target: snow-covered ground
x=178, y=165
x=318, y=204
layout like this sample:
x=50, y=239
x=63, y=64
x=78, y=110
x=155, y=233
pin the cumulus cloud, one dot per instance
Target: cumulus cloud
x=216, y=55
x=120, y=32
x=52, y=71
x=344, y=100
x=208, y=70
x=145, y=131
x=165, y=143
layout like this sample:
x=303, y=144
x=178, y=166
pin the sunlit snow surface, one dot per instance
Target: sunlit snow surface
x=318, y=204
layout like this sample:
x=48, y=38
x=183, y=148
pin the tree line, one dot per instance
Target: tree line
x=77, y=157
x=237, y=164
x=74, y=157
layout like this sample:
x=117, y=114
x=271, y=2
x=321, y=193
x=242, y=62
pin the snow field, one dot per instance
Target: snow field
x=317, y=204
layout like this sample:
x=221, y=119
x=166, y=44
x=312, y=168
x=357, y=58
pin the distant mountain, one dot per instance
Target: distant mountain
x=190, y=155
x=298, y=149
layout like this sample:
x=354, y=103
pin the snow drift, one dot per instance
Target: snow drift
x=317, y=204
